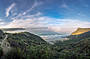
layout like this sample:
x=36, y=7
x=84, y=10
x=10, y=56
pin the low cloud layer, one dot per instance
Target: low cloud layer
x=57, y=25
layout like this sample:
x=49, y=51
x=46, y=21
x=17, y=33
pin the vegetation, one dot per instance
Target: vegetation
x=29, y=46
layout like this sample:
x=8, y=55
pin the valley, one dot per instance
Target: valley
x=44, y=29
x=24, y=45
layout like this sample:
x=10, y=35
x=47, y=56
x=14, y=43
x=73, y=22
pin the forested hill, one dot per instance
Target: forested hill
x=25, y=45
x=22, y=38
x=18, y=41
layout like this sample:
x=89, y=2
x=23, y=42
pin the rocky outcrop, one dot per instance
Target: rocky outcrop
x=80, y=31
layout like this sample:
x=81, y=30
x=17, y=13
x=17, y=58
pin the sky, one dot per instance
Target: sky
x=54, y=15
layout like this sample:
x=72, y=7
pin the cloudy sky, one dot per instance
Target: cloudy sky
x=54, y=15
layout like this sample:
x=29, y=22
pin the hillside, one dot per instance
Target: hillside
x=19, y=40
x=78, y=47
x=25, y=45
x=80, y=36
x=80, y=31
x=77, y=50
x=25, y=38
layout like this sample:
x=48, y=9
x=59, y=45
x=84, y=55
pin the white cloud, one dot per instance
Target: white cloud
x=35, y=4
x=23, y=15
x=69, y=25
x=57, y=25
x=20, y=16
x=2, y=23
x=64, y=5
x=36, y=20
x=9, y=9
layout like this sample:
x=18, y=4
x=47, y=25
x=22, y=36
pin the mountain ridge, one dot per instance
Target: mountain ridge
x=21, y=40
x=80, y=31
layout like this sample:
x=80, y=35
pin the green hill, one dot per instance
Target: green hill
x=25, y=45
x=22, y=41
x=77, y=47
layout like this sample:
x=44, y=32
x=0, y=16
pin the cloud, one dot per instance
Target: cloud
x=36, y=3
x=64, y=5
x=33, y=6
x=20, y=16
x=24, y=14
x=2, y=23
x=69, y=25
x=22, y=20
x=26, y=23
x=56, y=25
x=9, y=9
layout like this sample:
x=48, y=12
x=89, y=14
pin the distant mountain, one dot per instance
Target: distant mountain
x=42, y=31
x=12, y=29
x=80, y=31
x=47, y=33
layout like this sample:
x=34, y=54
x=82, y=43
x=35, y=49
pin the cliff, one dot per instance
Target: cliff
x=80, y=31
